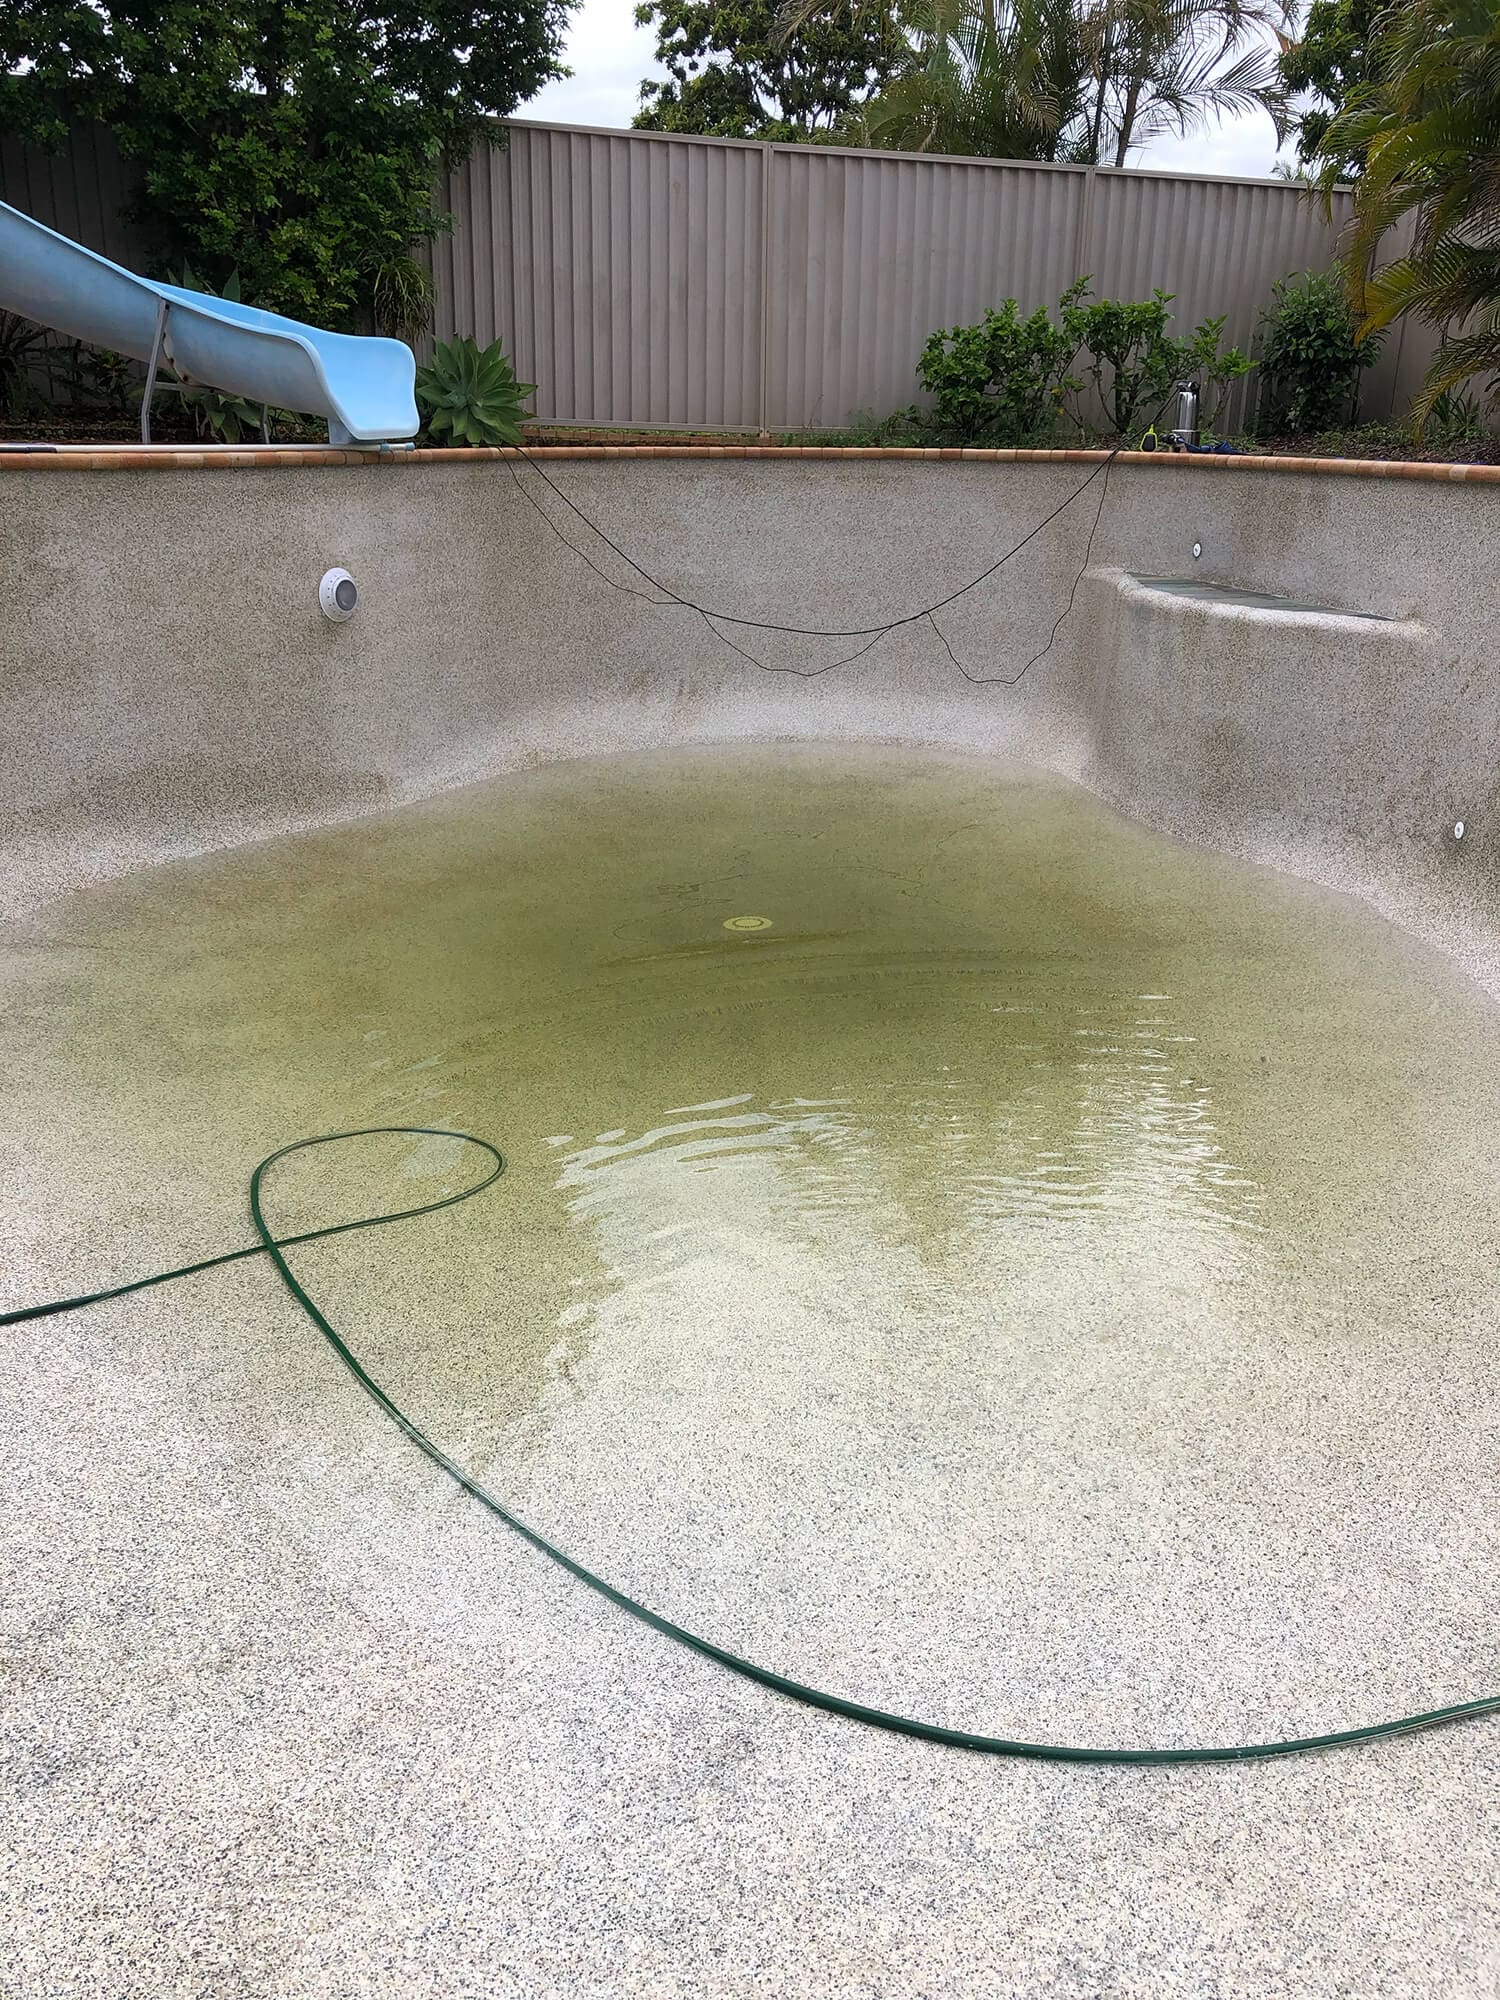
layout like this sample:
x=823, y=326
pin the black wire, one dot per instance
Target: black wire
x=663, y=603
x=1010, y=680
x=802, y=673
x=803, y=631
x=869, y=633
x=666, y=603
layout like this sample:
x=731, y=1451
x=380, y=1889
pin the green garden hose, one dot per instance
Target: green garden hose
x=834, y=1704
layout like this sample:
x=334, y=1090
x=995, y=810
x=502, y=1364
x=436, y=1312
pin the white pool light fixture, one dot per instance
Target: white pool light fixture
x=338, y=594
x=1458, y=829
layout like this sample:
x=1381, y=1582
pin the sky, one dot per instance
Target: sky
x=609, y=55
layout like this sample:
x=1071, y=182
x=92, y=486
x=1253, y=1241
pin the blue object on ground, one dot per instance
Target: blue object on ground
x=362, y=387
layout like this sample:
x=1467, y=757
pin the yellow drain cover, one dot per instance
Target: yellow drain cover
x=747, y=923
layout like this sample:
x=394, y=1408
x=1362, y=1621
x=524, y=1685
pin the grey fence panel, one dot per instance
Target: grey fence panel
x=625, y=279
x=642, y=278
x=870, y=252
x=81, y=191
x=1407, y=348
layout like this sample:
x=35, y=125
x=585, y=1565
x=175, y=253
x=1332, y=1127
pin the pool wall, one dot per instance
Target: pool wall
x=168, y=685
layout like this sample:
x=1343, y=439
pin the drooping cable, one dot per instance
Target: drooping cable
x=715, y=618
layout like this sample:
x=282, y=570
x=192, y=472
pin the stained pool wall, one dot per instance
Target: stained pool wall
x=167, y=684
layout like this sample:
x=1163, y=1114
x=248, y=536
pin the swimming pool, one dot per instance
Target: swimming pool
x=1039, y=1276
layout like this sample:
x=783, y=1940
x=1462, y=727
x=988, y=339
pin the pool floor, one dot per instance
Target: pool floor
x=1039, y=1278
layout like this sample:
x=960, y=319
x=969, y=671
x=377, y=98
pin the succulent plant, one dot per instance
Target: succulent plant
x=470, y=395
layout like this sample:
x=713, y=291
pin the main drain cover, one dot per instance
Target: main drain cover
x=747, y=923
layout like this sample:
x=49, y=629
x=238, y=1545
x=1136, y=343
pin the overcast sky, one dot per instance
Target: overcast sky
x=609, y=55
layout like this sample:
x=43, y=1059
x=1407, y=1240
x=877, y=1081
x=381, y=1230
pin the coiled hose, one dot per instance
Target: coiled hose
x=902, y=1725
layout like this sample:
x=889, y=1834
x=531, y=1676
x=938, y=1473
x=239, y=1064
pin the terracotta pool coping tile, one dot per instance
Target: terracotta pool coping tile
x=232, y=458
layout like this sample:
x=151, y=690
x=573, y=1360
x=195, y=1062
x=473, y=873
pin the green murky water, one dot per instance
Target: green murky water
x=1018, y=1160
x=978, y=1005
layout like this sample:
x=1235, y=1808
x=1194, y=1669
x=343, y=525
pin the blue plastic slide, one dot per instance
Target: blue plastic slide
x=362, y=387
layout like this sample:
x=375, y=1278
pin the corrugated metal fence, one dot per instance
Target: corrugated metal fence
x=650, y=279
x=80, y=191
x=645, y=278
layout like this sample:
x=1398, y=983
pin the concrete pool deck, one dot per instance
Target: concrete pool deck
x=288, y=1716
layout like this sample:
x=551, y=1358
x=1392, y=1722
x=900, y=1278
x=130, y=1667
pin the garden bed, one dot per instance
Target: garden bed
x=1377, y=442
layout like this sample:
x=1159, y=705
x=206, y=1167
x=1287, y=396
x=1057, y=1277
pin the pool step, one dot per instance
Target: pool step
x=1235, y=597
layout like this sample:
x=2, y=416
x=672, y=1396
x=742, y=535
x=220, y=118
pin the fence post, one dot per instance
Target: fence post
x=1085, y=220
x=767, y=166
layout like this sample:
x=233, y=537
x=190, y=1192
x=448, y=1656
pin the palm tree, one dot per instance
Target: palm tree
x=1177, y=65
x=1428, y=130
x=1005, y=79
x=1076, y=80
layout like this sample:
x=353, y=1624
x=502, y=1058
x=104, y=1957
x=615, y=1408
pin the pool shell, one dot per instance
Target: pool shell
x=293, y=1720
x=173, y=619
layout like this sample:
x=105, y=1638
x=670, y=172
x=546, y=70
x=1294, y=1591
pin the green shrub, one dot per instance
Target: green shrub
x=1456, y=417
x=401, y=293
x=96, y=382
x=1130, y=341
x=1006, y=380
x=1311, y=355
x=21, y=351
x=470, y=395
x=1199, y=360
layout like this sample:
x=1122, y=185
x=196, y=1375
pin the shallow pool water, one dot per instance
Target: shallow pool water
x=1029, y=1214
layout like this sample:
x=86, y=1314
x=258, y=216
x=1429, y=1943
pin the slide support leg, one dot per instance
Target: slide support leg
x=151, y=367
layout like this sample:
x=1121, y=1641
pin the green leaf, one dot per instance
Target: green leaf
x=292, y=145
x=470, y=394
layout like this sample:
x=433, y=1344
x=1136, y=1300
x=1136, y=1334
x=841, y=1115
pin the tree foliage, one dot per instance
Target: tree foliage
x=1329, y=60
x=1427, y=127
x=1070, y=80
x=1007, y=80
x=1159, y=66
x=732, y=71
x=296, y=142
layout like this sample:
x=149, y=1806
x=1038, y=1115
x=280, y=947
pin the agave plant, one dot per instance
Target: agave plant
x=469, y=394
x=228, y=418
x=1428, y=131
